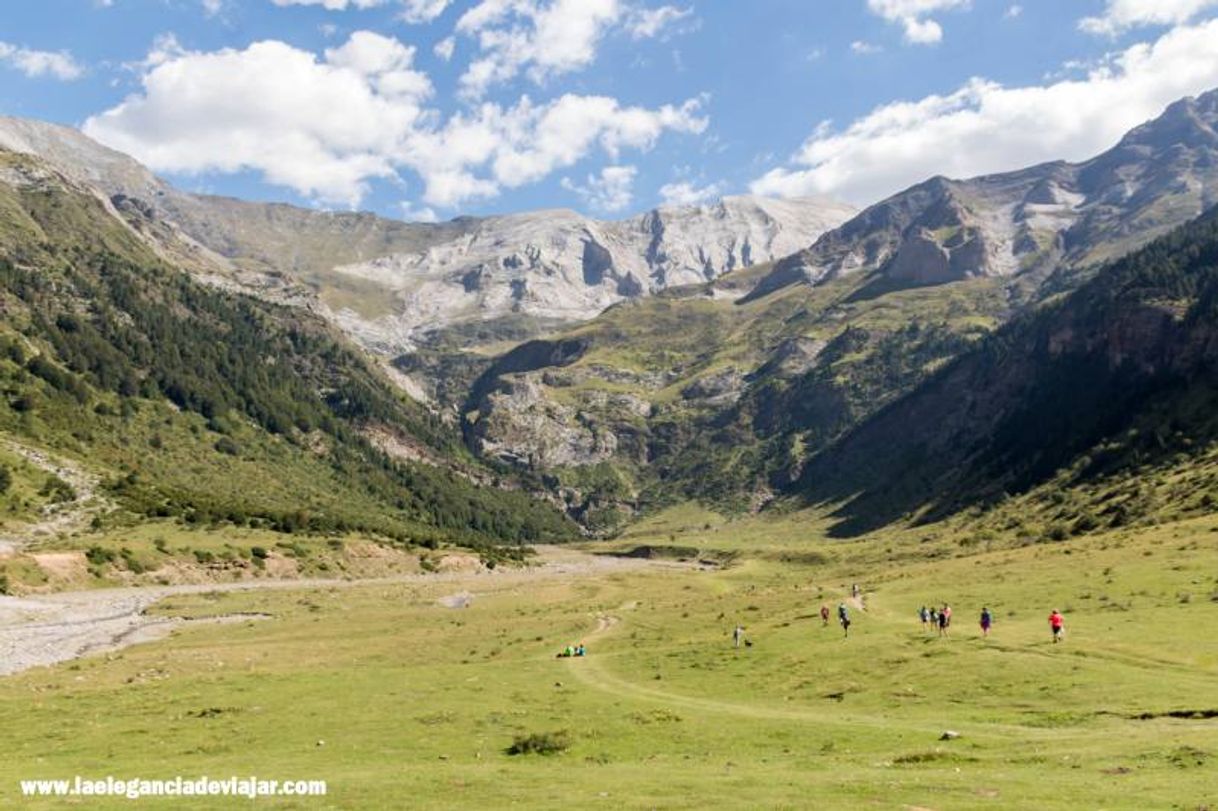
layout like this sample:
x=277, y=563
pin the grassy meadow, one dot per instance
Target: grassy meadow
x=398, y=701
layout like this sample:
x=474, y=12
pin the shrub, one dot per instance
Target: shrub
x=540, y=743
x=99, y=556
x=6, y=479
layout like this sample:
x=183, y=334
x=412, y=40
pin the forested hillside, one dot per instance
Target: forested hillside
x=1109, y=395
x=210, y=405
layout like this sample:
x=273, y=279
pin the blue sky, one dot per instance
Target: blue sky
x=606, y=106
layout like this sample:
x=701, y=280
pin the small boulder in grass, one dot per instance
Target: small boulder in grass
x=949, y=735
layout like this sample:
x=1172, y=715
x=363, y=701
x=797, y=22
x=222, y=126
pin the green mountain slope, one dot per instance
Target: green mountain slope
x=200, y=403
x=1109, y=394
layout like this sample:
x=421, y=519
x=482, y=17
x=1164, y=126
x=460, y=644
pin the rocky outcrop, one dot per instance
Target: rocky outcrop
x=1028, y=223
x=391, y=284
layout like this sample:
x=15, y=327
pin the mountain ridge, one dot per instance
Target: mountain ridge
x=388, y=282
x=1027, y=223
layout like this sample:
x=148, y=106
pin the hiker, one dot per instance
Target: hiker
x=579, y=649
x=987, y=619
x=1057, y=622
x=924, y=615
x=567, y=652
x=738, y=635
x=854, y=591
x=824, y=615
x=934, y=617
x=943, y=620
x=843, y=616
x=946, y=611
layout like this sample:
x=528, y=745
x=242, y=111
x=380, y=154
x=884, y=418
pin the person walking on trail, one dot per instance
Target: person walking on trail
x=738, y=635
x=924, y=615
x=824, y=615
x=854, y=590
x=1058, y=623
x=947, y=612
x=987, y=619
x=943, y=618
x=843, y=616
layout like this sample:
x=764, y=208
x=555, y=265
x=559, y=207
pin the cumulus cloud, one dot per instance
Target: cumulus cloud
x=542, y=39
x=684, y=193
x=444, y=48
x=611, y=190
x=327, y=126
x=986, y=127
x=537, y=38
x=524, y=143
x=1121, y=15
x=54, y=64
x=413, y=213
x=423, y=11
x=912, y=16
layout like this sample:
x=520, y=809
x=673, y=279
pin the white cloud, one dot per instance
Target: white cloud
x=684, y=193
x=444, y=48
x=212, y=7
x=423, y=11
x=1121, y=15
x=645, y=23
x=912, y=15
x=1013, y=11
x=327, y=126
x=864, y=48
x=526, y=142
x=320, y=127
x=541, y=39
x=985, y=127
x=611, y=190
x=413, y=213
x=332, y=5
x=55, y=64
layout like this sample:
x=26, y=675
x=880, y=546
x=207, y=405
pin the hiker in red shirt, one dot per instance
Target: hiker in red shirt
x=1056, y=621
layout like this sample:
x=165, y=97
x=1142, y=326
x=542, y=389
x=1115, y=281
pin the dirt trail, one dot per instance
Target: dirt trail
x=592, y=671
x=51, y=628
x=57, y=519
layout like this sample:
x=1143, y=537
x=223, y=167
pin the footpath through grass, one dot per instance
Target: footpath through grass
x=398, y=701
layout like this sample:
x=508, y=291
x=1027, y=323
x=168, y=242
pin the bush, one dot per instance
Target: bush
x=540, y=743
x=6, y=479
x=258, y=552
x=227, y=445
x=99, y=556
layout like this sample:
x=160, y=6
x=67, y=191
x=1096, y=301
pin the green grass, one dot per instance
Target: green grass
x=388, y=695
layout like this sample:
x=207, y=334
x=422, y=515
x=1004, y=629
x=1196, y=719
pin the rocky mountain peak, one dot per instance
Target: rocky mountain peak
x=1028, y=222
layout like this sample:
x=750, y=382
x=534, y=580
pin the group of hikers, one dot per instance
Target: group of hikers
x=937, y=618
x=573, y=650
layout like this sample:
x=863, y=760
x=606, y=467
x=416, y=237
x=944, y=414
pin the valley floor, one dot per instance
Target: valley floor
x=409, y=692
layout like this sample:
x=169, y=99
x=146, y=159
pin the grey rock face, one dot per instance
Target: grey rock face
x=389, y=284
x=1029, y=222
